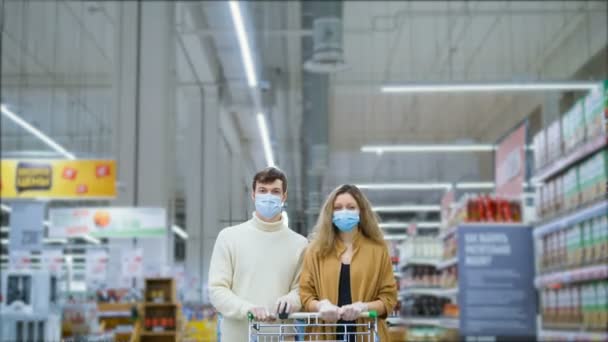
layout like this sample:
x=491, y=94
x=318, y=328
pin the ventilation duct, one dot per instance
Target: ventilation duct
x=328, y=51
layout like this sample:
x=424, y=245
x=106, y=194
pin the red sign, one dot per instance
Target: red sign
x=511, y=164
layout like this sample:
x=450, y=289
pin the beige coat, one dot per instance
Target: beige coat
x=371, y=277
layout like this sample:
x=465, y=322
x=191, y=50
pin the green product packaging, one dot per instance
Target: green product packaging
x=595, y=102
x=571, y=188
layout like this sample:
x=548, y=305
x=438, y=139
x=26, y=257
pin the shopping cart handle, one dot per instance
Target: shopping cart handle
x=315, y=315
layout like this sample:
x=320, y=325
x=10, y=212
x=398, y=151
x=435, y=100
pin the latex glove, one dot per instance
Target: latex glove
x=352, y=311
x=261, y=314
x=328, y=312
x=283, y=305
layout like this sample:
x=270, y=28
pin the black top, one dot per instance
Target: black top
x=344, y=298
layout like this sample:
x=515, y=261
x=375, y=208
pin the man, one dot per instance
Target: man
x=255, y=266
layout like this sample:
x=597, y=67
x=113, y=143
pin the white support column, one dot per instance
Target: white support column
x=194, y=186
x=145, y=118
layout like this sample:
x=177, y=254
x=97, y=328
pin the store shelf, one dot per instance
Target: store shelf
x=159, y=305
x=444, y=322
x=418, y=262
x=580, y=153
x=395, y=321
x=587, y=273
x=447, y=263
x=572, y=218
x=429, y=291
x=566, y=335
x=450, y=323
x=158, y=333
x=113, y=314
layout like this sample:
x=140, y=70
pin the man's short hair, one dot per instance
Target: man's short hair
x=269, y=175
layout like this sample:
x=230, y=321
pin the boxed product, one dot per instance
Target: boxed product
x=571, y=188
x=577, y=236
x=577, y=313
x=587, y=297
x=595, y=176
x=540, y=149
x=573, y=127
x=573, y=246
x=554, y=141
x=602, y=305
x=588, y=255
x=550, y=197
x=558, y=188
x=603, y=223
x=596, y=110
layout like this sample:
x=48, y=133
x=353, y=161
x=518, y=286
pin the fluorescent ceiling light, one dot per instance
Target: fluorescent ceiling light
x=406, y=208
x=395, y=237
x=6, y=208
x=405, y=186
x=429, y=148
x=265, y=139
x=241, y=34
x=475, y=185
x=91, y=239
x=400, y=225
x=481, y=87
x=180, y=232
x=47, y=140
x=426, y=186
x=56, y=240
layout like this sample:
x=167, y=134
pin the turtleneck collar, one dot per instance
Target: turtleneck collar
x=267, y=226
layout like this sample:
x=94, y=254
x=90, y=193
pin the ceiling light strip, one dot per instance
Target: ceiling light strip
x=265, y=139
x=483, y=87
x=429, y=148
x=25, y=125
x=179, y=232
x=406, y=208
x=239, y=27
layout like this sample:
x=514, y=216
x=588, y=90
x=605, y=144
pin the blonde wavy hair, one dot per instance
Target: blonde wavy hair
x=323, y=237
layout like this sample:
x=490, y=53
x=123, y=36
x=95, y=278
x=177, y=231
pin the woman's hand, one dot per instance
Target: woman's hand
x=328, y=312
x=352, y=311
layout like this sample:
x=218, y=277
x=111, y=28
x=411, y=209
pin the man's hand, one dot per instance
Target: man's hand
x=262, y=315
x=328, y=312
x=352, y=311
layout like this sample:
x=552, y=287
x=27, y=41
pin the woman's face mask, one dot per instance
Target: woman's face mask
x=345, y=220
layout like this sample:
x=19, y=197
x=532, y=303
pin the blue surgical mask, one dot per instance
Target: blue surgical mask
x=346, y=220
x=268, y=205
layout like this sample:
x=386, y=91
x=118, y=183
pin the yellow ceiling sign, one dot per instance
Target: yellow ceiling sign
x=57, y=179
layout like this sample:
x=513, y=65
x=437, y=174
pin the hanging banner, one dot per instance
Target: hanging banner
x=27, y=226
x=57, y=179
x=511, y=164
x=108, y=222
x=497, y=298
x=52, y=260
x=19, y=260
x=132, y=266
x=96, y=267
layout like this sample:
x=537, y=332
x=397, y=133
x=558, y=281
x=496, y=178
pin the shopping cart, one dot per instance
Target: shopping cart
x=295, y=328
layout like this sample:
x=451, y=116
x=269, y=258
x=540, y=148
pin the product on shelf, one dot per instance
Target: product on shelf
x=420, y=247
x=573, y=127
x=487, y=208
x=554, y=141
x=540, y=149
x=423, y=306
x=420, y=276
x=594, y=177
x=571, y=189
x=595, y=107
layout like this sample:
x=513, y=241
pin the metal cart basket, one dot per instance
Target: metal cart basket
x=295, y=328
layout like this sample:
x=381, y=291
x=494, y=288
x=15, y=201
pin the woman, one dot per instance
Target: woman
x=347, y=268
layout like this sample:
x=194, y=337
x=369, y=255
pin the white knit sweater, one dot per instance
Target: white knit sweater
x=253, y=264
